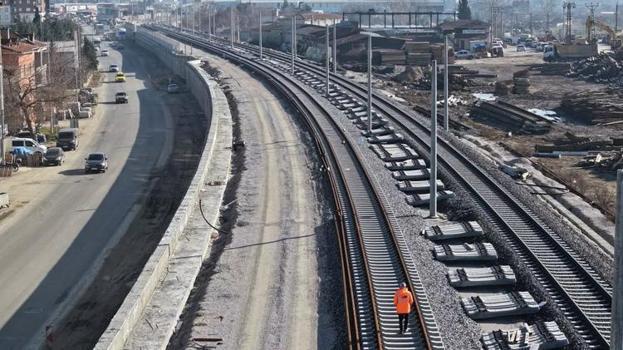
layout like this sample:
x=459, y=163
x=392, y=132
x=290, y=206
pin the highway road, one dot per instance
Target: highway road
x=49, y=245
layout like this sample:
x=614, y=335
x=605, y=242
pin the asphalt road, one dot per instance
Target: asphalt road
x=50, y=245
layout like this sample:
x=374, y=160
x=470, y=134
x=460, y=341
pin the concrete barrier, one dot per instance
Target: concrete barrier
x=216, y=151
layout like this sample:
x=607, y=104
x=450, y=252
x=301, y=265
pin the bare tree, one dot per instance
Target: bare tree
x=26, y=95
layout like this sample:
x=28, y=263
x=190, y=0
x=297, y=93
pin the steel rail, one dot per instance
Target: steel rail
x=572, y=284
x=383, y=259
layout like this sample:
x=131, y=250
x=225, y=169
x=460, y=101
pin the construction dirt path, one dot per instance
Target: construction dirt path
x=272, y=279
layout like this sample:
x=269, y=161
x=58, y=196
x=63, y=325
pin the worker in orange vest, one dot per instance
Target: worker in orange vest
x=403, y=300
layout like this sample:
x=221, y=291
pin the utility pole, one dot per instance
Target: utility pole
x=370, y=85
x=616, y=342
x=261, y=38
x=567, y=6
x=328, y=59
x=433, y=144
x=616, y=17
x=446, y=118
x=591, y=7
x=334, y=47
x=231, y=25
x=293, y=44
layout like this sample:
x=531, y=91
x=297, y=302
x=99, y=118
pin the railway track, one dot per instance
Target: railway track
x=579, y=292
x=576, y=289
x=374, y=255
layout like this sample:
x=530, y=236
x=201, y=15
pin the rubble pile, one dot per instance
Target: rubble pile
x=603, y=69
x=410, y=75
x=593, y=107
x=419, y=78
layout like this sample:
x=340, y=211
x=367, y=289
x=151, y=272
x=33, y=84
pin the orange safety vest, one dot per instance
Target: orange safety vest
x=403, y=300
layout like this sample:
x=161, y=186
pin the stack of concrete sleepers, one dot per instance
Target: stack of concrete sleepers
x=462, y=277
x=453, y=230
x=540, y=335
x=500, y=305
x=476, y=252
x=409, y=164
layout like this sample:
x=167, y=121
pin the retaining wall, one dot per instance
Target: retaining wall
x=206, y=92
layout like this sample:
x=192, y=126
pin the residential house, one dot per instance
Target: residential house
x=24, y=70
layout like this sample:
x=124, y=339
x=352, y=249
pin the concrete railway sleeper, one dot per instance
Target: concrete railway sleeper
x=583, y=297
x=376, y=262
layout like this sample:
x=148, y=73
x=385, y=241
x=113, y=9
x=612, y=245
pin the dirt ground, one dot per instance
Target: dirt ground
x=83, y=325
x=546, y=92
x=270, y=281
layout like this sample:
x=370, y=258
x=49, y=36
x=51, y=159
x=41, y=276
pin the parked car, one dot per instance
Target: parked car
x=54, y=156
x=119, y=47
x=172, y=88
x=85, y=112
x=96, y=162
x=120, y=77
x=113, y=68
x=121, y=97
x=521, y=48
x=29, y=144
x=104, y=52
x=28, y=135
x=67, y=139
x=464, y=54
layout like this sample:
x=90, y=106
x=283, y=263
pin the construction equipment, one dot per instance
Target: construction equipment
x=614, y=39
x=571, y=51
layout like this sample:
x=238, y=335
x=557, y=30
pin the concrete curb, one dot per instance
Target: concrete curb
x=214, y=105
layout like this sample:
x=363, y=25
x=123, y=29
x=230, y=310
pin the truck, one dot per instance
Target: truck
x=99, y=28
x=570, y=51
x=121, y=33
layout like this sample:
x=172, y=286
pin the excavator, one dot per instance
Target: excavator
x=615, y=39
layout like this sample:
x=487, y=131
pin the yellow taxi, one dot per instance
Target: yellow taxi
x=120, y=77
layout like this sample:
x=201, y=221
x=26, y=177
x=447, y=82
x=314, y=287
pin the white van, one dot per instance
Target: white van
x=30, y=144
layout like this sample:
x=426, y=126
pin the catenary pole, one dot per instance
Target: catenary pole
x=231, y=26
x=370, y=85
x=446, y=117
x=433, y=144
x=616, y=342
x=293, y=44
x=327, y=63
x=261, y=38
x=334, y=47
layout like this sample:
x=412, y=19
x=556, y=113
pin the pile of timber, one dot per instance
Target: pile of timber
x=422, y=53
x=594, y=107
x=573, y=143
x=604, y=68
x=521, y=82
x=388, y=57
x=511, y=118
x=556, y=68
x=462, y=71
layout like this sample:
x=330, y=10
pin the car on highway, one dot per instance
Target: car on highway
x=121, y=97
x=113, y=68
x=104, y=52
x=54, y=156
x=464, y=54
x=172, y=88
x=120, y=77
x=28, y=144
x=96, y=162
x=67, y=139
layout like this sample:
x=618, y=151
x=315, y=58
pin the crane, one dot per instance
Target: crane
x=615, y=39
